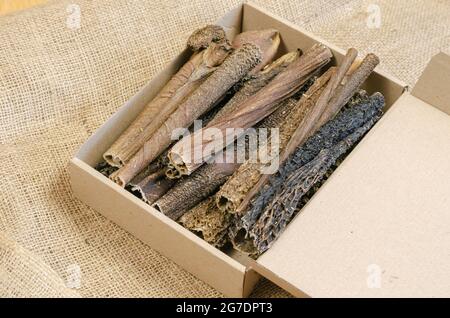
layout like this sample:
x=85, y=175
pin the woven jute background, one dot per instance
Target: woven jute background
x=61, y=78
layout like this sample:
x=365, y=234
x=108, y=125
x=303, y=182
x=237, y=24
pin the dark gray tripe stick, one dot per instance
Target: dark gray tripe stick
x=344, y=124
x=105, y=168
x=152, y=187
x=281, y=210
x=189, y=191
x=151, y=183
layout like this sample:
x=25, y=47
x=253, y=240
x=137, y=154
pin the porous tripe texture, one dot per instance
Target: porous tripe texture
x=59, y=84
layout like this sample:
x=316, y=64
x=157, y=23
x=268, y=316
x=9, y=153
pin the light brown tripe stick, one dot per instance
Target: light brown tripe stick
x=267, y=40
x=233, y=69
x=207, y=179
x=208, y=221
x=203, y=37
x=243, y=180
x=253, y=110
x=250, y=87
x=190, y=191
x=183, y=83
x=335, y=96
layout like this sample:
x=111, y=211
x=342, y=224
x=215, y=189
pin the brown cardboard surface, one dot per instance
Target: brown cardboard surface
x=380, y=226
x=433, y=86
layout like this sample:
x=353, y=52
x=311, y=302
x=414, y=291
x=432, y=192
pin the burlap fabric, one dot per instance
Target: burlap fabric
x=59, y=83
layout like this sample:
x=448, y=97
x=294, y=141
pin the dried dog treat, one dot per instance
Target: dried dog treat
x=343, y=125
x=233, y=69
x=268, y=47
x=277, y=215
x=203, y=37
x=151, y=183
x=152, y=187
x=231, y=194
x=343, y=92
x=250, y=87
x=253, y=110
x=183, y=83
x=208, y=221
x=105, y=168
x=191, y=190
x=332, y=99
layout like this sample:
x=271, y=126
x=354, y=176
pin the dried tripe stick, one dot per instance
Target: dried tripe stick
x=241, y=182
x=348, y=121
x=268, y=41
x=208, y=178
x=277, y=215
x=213, y=40
x=208, y=221
x=253, y=110
x=193, y=189
x=332, y=99
x=250, y=87
x=233, y=69
x=151, y=186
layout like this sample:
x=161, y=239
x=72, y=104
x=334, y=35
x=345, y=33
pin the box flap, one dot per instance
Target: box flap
x=433, y=86
x=380, y=226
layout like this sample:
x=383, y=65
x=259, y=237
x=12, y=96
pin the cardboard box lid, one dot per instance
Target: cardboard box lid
x=380, y=226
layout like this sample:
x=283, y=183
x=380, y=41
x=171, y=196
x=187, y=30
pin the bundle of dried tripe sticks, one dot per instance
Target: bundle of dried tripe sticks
x=209, y=180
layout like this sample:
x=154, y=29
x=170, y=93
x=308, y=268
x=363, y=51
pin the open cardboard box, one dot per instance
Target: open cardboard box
x=380, y=225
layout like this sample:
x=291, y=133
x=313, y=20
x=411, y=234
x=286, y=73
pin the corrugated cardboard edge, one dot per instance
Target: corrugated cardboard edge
x=433, y=86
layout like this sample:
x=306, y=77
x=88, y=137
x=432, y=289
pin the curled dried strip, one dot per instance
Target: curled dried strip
x=183, y=83
x=281, y=210
x=332, y=132
x=253, y=110
x=152, y=187
x=344, y=91
x=250, y=87
x=203, y=37
x=206, y=220
x=233, y=192
x=267, y=40
x=235, y=67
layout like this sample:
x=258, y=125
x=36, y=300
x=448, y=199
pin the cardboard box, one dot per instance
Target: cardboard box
x=381, y=220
